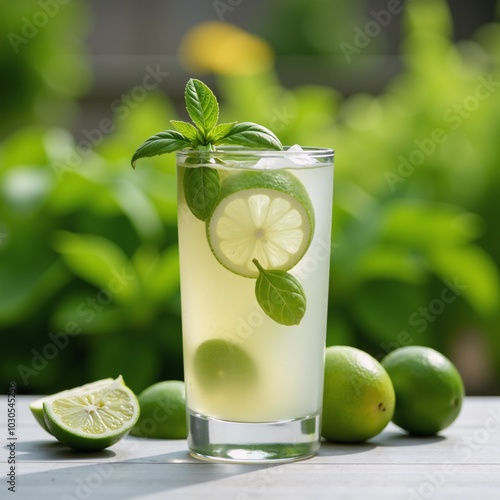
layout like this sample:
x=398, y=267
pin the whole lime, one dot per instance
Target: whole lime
x=221, y=365
x=163, y=411
x=429, y=389
x=358, y=398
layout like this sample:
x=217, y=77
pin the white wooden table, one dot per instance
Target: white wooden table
x=462, y=463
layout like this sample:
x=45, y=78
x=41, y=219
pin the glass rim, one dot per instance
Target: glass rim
x=242, y=151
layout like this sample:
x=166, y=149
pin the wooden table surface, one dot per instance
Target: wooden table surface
x=462, y=463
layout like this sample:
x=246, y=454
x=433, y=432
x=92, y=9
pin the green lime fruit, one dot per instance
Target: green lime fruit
x=92, y=420
x=36, y=406
x=261, y=215
x=163, y=411
x=358, y=398
x=221, y=365
x=429, y=389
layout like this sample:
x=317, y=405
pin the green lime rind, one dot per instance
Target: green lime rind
x=429, y=389
x=163, y=411
x=275, y=184
x=93, y=420
x=278, y=180
x=221, y=365
x=358, y=398
x=36, y=406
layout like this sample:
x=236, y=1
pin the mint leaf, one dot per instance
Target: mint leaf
x=201, y=105
x=220, y=131
x=188, y=130
x=280, y=295
x=251, y=135
x=201, y=190
x=164, y=142
x=205, y=134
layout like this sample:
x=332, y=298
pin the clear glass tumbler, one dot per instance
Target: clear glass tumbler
x=254, y=246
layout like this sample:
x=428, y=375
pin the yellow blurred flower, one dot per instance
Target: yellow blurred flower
x=224, y=49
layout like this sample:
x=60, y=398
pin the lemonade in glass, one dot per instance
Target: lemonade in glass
x=254, y=382
x=254, y=246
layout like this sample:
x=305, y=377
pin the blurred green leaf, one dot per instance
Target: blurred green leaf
x=14, y=152
x=426, y=226
x=134, y=357
x=339, y=331
x=87, y=313
x=138, y=208
x=388, y=262
x=25, y=289
x=472, y=273
x=100, y=262
x=25, y=189
x=384, y=309
x=159, y=273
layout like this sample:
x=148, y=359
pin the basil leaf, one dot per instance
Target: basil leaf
x=161, y=143
x=201, y=105
x=280, y=295
x=201, y=190
x=186, y=129
x=251, y=135
x=220, y=131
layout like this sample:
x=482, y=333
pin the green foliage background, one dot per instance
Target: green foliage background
x=89, y=275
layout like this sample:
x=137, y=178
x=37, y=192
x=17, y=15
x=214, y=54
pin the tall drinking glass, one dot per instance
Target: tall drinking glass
x=254, y=245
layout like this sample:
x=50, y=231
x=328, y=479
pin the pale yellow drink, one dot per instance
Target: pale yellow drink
x=287, y=361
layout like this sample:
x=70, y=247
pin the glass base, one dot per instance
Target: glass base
x=249, y=442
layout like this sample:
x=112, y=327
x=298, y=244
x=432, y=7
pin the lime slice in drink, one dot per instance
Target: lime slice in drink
x=223, y=365
x=92, y=420
x=261, y=215
x=36, y=406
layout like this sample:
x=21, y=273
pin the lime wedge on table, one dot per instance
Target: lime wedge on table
x=36, y=406
x=92, y=420
x=261, y=215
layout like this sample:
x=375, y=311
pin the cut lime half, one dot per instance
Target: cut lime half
x=36, y=406
x=92, y=420
x=261, y=215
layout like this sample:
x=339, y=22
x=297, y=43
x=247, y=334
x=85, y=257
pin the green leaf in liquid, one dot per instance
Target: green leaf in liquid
x=280, y=295
x=201, y=190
